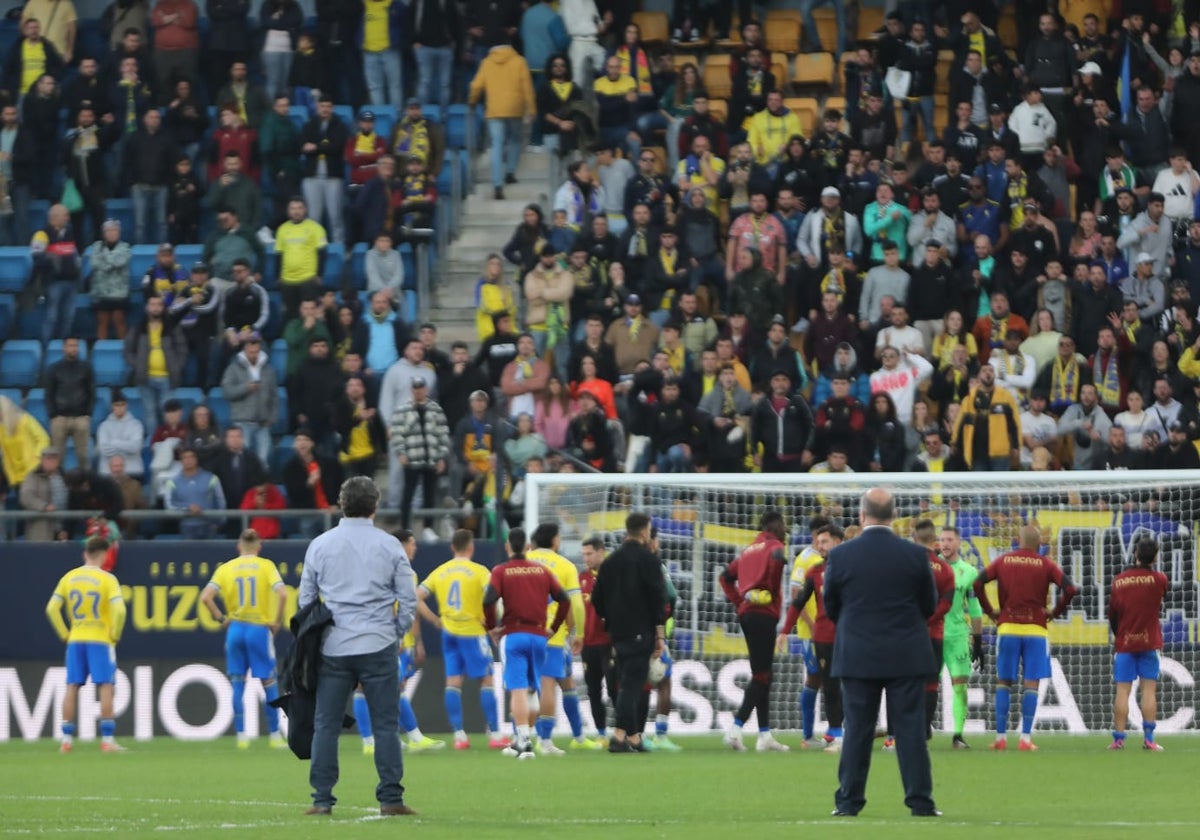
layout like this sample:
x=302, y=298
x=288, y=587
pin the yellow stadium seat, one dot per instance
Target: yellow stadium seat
x=827, y=30
x=660, y=158
x=719, y=108
x=779, y=68
x=814, y=70
x=783, y=35
x=1074, y=11
x=945, y=64
x=782, y=14
x=717, y=82
x=1006, y=29
x=806, y=109
x=655, y=26
x=870, y=19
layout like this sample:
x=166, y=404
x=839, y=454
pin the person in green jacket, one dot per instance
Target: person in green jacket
x=279, y=148
x=300, y=332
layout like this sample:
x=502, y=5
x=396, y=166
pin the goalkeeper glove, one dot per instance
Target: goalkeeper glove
x=977, y=652
x=669, y=627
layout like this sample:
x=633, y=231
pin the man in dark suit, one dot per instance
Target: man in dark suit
x=879, y=592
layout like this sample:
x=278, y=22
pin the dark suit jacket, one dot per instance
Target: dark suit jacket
x=879, y=591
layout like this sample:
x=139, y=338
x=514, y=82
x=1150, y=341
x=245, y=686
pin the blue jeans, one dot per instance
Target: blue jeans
x=810, y=25
x=674, y=460
x=258, y=437
x=434, y=67
x=324, y=197
x=277, y=66
x=60, y=309
x=505, y=136
x=380, y=678
x=154, y=393
x=922, y=108
x=382, y=70
x=618, y=137
x=149, y=204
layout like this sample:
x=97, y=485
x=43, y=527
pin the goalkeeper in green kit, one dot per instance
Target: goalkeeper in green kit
x=961, y=654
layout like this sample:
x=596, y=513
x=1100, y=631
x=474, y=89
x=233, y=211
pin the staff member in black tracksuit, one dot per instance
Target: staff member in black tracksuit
x=783, y=424
x=629, y=596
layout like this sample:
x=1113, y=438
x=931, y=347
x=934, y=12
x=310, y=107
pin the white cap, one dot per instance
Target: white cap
x=830, y=192
x=1144, y=258
x=1090, y=68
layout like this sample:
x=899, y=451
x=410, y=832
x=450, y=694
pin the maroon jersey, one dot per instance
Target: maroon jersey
x=943, y=580
x=526, y=588
x=1024, y=579
x=593, y=627
x=760, y=566
x=824, y=629
x=1134, y=604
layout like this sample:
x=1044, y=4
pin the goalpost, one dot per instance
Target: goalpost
x=1089, y=521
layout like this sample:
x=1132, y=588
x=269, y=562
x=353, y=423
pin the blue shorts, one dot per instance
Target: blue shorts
x=467, y=654
x=406, y=665
x=809, y=651
x=1130, y=666
x=669, y=662
x=94, y=659
x=249, y=647
x=557, y=664
x=1032, y=652
x=522, y=655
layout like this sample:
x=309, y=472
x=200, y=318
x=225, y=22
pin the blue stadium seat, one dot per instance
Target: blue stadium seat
x=358, y=265
x=278, y=358
x=38, y=208
x=144, y=256
x=101, y=408
x=409, y=261
x=281, y=454
x=20, y=363
x=274, y=325
x=270, y=271
x=121, y=209
x=138, y=410
x=13, y=394
x=456, y=126
x=335, y=262
x=219, y=407
x=84, y=323
x=15, y=267
x=283, y=419
x=54, y=352
x=299, y=115
x=8, y=316
x=187, y=255
x=432, y=112
x=9, y=34
x=108, y=360
x=35, y=404
x=347, y=115
x=188, y=397
x=29, y=322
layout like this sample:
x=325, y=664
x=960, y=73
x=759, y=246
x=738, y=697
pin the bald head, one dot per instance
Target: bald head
x=878, y=507
x=1030, y=537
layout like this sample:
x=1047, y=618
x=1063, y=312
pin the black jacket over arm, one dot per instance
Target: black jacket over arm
x=631, y=593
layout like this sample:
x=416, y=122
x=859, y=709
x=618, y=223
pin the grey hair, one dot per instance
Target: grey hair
x=358, y=498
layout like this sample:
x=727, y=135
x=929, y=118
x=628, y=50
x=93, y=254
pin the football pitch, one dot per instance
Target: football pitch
x=1071, y=788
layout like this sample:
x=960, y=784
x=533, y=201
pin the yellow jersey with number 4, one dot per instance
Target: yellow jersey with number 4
x=246, y=584
x=89, y=593
x=458, y=585
x=804, y=561
x=567, y=576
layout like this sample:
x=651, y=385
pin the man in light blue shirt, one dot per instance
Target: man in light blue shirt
x=364, y=578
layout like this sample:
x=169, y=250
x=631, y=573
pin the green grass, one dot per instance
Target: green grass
x=1072, y=788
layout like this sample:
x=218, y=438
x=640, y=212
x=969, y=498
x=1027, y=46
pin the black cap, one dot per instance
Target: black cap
x=419, y=382
x=200, y=267
x=118, y=396
x=995, y=108
x=778, y=319
x=781, y=372
x=933, y=243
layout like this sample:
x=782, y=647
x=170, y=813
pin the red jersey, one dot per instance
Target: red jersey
x=593, y=627
x=944, y=581
x=526, y=588
x=824, y=629
x=760, y=566
x=1134, y=604
x=1024, y=579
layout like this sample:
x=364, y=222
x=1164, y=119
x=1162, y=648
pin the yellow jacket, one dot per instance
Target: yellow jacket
x=1189, y=365
x=504, y=79
x=767, y=133
x=1004, y=425
x=22, y=452
x=491, y=298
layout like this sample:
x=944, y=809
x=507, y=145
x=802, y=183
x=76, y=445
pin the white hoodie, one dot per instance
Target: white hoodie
x=1034, y=126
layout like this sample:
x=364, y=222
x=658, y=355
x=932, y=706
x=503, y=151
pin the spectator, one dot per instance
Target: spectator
x=237, y=469
x=672, y=430
x=1151, y=232
x=1015, y=370
x=87, y=88
x=44, y=491
x=493, y=294
x=280, y=22
x=462, y=378
x=1178, y=184
x=1038, y=429
x=236, y=186
x=503, y=78
x=29, y=58
x=1064, y=377
x=416, y=136
x=131, y=96
x=150, y=157
x=755, y=292
x=1087, y=427
x=899, y=378
x=725, y=411
x=56, y=272
x=782, y=423
x=436, y=32
x=279, y=150
x=475, y=444
x=310, y=77
x=250, y=387
x=195, y=491
x=230, y=243
x=83, y=151
x=203, y=435
x=22, y=440
x=39, y=117
x=590, y=381
x=176, y=42
x=553, y=413
x=751, y=81
x=228, y=39
x=317, y=386
x=120, y=435
x=777, y=355
x=632, y=337
x=323, y=142
x=312, y=481
x=614, y=175
x=381, y=337
x=70, y=395
x=364, y=149
x=133, y=496
x=264, y=497
x=420, y=441
x=183, y=202
x=15, y=155
x=1145, y=288
x=363, y=439
x=384, y=268
x=165, y=278
x=887, y=280
x=759, y=231
x=770, y=130
x=524, y=377
x=931, y=225
x=301, y=245
x=156, y=353
x=244, y=309
x=1137, y=423
x=900, y=334
x=380, y=42
x=1149, y=137
x=110, y=258
x=396, y=389
x=1091, y=303
x=990, y=329
x=988, y=430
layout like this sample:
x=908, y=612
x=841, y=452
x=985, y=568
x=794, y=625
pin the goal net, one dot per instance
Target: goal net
x=1089, y=521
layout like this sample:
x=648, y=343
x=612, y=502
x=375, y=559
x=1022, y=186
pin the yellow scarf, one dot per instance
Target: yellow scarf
x=668, y=264
x=364, y=144
x=676, y=358
x=1107, y=378
x=1131, y=331
x=635, y=326
x=641, y=73
x=561, y=89
x=1064, y=381
x=413, y=139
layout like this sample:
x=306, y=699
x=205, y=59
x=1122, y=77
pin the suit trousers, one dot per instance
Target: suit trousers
x=906, y=712
x=633, y=668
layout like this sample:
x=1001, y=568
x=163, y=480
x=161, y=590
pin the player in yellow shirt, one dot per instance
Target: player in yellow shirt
x=301, y=244
x=458, y=586
x=804, y=561
x=561, y=646
x=96, y=612
x=254, y=598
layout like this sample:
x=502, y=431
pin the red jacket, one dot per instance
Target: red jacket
x=943, y=580
x=593, y=627
x=266, y=526
x=759, y=566
x=242, y=140
x=362, y=164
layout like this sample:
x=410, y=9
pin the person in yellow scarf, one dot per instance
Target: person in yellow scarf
x=493, y=294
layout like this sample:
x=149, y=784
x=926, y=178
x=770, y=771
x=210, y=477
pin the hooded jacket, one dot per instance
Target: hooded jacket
x=860, y=383
x=504, y=79
x=246, y=406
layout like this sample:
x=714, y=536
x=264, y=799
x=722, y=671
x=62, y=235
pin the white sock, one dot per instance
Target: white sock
x=523, y=734
x=460, y=735
x=495, y=736
x=415, y=734
x=108, y=739
x=68, y=739
x=369, y=741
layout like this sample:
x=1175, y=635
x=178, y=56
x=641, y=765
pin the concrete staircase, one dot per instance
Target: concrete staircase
x=487, y=225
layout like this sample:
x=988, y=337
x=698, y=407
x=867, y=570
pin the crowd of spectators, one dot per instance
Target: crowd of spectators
x=1003, y=278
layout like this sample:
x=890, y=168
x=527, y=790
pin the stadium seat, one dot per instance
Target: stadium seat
x=347, y=115
x=186, y=255
x=8, y=316
x=783, y=33
x=144, y=257
x=13, y=394
x=717, y=81
x=431, y=112
x=121, y=209
x=283, y=420
x=813, y=70
x=108, y=360
x=54, y=352
x=101, y=408
x=35, y=405
x=826, y=28
x=456, y=127
x=358, y=265
x=779, y=68
x=219, y=407
x=299, y=115
x=335, y=262
x=278, y=358
x=655, y=27
x=29, y=322
x=84, y=322
x=15, y=267
x=806, y=109
x=189, y=398
x=719, y=108
x=870, y=19
x=20, y=363
x=274, y=325
x=281, y=454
